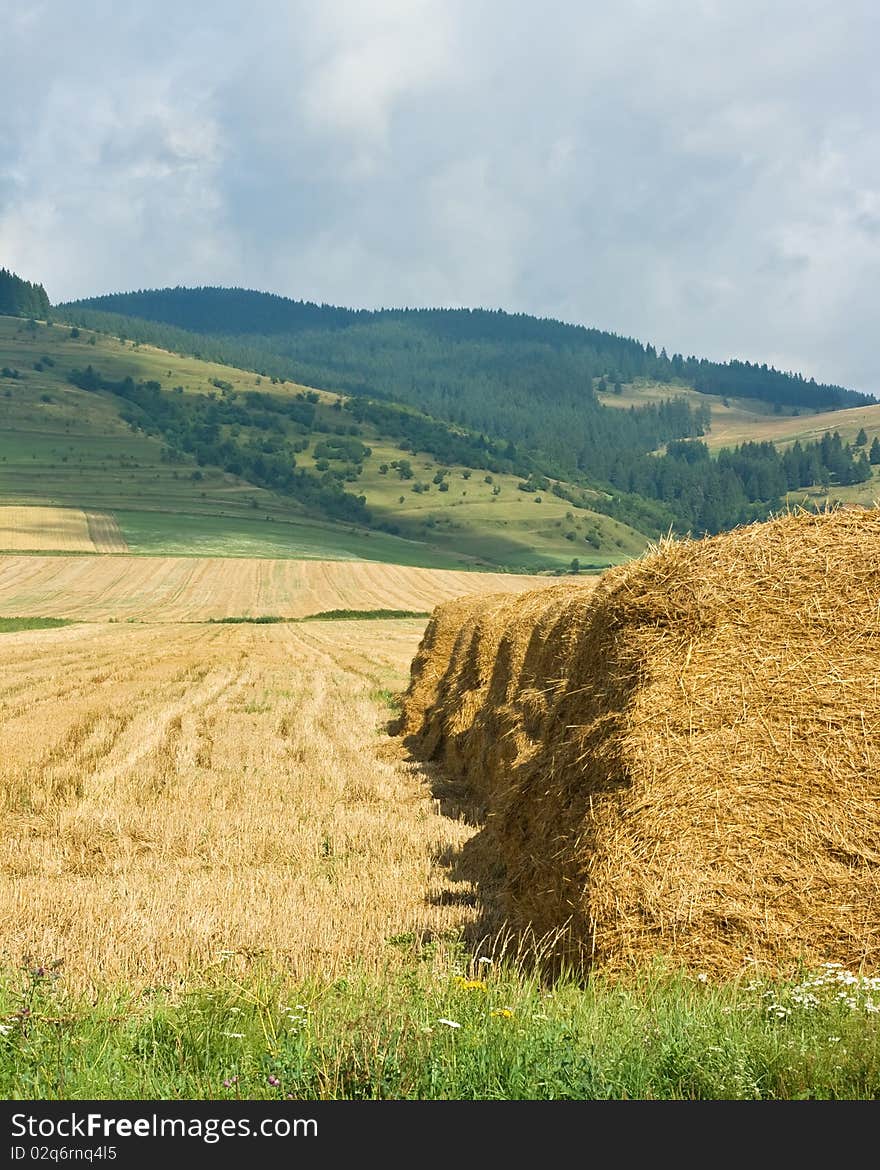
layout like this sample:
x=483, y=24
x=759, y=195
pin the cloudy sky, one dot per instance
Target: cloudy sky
x=702, y=174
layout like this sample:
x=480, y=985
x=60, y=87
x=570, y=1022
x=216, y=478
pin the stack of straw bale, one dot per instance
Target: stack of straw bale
x=684, y=762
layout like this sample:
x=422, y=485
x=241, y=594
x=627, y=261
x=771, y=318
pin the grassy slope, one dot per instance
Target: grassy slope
x=75, y=450
x=743, y=420
x=508, y=528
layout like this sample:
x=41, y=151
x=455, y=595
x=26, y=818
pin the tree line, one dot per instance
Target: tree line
x=21, y=298
x=342, y=343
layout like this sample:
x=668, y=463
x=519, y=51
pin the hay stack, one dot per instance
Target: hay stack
x=686, y=761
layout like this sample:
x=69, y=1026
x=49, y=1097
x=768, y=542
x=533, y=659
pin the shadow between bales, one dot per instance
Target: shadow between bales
x=521, y=738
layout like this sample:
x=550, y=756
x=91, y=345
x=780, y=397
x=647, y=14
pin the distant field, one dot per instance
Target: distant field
x=486, y=515
x=28, y=529
x=178, y=534
x=745, y=420
x=784, y=429
x=169, y=589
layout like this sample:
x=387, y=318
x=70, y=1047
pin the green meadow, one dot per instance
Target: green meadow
x=448, y=1031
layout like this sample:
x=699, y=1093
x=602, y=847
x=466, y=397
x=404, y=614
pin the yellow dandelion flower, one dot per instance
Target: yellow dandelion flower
x=471, y=984
x=505, y=1013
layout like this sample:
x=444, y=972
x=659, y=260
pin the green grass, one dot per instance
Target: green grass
x=483, y=1033
x=866, y=494
x=11, y=625
x=344, y=615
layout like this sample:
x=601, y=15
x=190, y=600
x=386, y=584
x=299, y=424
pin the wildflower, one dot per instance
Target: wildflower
x=778, y=1010
x=273, y=1080
x=233, y=1035
x=471, y=984
x=5, y=1029
x=449, y=1023
x=506, y=1013
x=702, y=977
x=230, y=1082
x=484, y=961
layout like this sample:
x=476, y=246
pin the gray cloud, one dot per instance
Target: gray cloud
x=702, y=175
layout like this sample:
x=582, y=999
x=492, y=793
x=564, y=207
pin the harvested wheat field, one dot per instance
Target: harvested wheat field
x=179, y=797
x=37, y=529
x=197, y=589
x=685, y=763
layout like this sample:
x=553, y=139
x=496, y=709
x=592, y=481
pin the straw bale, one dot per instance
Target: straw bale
x=684, y=762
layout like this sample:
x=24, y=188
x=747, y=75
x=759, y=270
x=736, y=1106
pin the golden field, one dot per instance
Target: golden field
x=37, y=529
x=198, y=588
x=176, y=795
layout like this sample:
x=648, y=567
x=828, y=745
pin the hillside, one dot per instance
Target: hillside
x=95, y=449
x=287, y=328
x=541, y=395
x=466, y=437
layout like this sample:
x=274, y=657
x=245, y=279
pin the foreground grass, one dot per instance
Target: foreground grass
x=477, y=1032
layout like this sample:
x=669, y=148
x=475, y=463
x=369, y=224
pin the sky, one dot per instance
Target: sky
x=700, y=174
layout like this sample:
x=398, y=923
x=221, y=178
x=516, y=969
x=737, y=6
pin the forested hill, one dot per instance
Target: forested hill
x=493, y=391
x=20, y=298
x=434, y=358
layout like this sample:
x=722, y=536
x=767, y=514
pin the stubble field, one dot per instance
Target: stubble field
x=177, y=797
x=98, y=588
x=177, y=794
x=38, y=529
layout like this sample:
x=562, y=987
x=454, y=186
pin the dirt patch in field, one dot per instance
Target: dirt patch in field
x=684, y=763
x=105, y=533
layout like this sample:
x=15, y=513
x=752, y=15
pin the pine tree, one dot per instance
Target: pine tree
x=861, y=472
x=874, y=457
